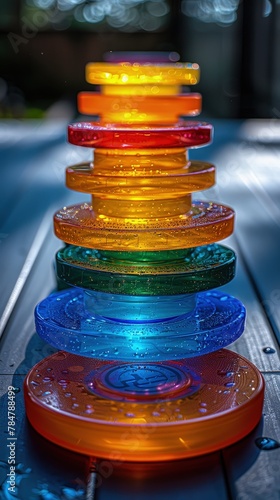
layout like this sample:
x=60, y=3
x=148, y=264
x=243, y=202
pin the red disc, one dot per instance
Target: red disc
x=184, y=133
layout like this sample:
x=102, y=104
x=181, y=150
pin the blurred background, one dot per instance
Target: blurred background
x=45, y=45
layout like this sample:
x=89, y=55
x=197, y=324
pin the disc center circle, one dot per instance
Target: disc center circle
x=142, y=382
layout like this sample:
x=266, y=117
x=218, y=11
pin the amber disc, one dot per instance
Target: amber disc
x=206, y=223
x=197, y=177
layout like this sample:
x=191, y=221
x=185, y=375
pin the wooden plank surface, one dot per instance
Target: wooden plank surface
x=250, y=182
x=34, y=180
x=254, y=474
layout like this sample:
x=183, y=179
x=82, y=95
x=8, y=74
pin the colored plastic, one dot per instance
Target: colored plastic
x=146, y=273
x=206, y=223
x=182, y=134
x=126, y=74
x=144, y=412
x=146, y=378
x=123, y=327
x=101, y=178
x=139, y=109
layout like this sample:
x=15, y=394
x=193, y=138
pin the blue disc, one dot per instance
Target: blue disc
x=210, y=320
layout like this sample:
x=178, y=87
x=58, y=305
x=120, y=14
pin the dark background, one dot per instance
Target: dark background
x=45, y=44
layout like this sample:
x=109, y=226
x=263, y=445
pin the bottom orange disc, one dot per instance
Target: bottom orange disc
x=144, y=412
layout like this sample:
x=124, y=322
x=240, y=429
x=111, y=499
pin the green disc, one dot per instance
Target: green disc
x=169, y=272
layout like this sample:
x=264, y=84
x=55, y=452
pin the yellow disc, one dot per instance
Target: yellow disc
x=142, y=74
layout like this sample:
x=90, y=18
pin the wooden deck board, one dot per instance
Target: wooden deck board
x=250, y=182
x=258, y=333
x=254, y=474
x=195, y=479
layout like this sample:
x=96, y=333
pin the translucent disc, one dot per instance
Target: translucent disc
x=206, y=223
x=146, y=273
x=85, y=178
x=183, y=133
x=144, y=412
x=136, y=109
x=127, y=73
x=126, y=328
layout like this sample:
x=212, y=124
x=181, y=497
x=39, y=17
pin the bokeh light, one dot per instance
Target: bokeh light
x=211, y=11
x=123, y=15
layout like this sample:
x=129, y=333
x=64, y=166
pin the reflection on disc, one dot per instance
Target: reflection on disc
x=144, y=412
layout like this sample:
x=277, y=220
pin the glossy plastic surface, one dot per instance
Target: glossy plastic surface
x=206, y=223
x=124, y=328
x=183, y=133
x=139, y=109
x=144, y=412
x=102, y=178
x=127, y=73
x=146, y=273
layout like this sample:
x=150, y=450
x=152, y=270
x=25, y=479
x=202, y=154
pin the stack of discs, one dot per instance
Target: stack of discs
x=142, y=373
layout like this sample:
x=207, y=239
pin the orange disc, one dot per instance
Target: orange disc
x=139, y=109
x=144, y=412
